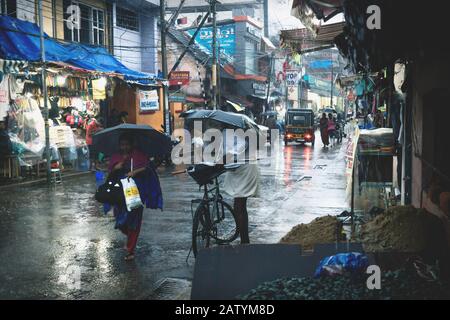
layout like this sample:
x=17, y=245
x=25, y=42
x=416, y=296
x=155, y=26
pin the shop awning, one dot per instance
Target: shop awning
x=19, y=40
x=268, y=43
x=303, y=39
x=238, y=100
x=309, y=10
x=194, y=99
x=12, y=66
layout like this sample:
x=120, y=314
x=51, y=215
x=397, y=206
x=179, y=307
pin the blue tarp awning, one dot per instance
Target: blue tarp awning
x=19, y=40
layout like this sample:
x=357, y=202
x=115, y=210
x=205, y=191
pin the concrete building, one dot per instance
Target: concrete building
x=135, y=33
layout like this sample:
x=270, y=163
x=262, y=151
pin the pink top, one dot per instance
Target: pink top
x=331, y=125
x=140, y=160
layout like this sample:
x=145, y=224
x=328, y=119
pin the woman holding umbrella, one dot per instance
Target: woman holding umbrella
x=131, y=162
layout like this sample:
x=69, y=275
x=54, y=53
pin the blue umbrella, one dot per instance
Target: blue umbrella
x=148, y=140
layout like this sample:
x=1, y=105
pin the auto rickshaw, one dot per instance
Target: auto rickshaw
x=300, y=126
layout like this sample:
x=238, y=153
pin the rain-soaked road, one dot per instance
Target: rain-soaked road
x=48, y=235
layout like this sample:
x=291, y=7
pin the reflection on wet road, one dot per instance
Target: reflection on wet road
x=56, y=243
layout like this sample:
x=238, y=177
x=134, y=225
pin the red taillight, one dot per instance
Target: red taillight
x=308, y=136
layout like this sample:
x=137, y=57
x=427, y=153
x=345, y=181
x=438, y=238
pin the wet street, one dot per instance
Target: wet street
x=48, y=234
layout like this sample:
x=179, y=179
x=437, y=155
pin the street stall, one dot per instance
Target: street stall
x=373, y=185
x=80, y=82
x=71, y=105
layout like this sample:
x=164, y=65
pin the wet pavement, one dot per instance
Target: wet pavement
x=50, y=236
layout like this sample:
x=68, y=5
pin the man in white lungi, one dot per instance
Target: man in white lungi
x=241, y=184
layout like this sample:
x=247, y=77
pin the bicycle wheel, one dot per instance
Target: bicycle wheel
x=200, y=229
x=223, y=228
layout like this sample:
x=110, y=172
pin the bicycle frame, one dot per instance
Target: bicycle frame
x=213, y=195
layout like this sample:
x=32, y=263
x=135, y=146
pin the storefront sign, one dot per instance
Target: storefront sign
x=292, y=77
x=179, y=78
x=259, y=89
x=148, y=100
x=177, y=97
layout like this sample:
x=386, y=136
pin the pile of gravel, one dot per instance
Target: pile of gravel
x=399, y=284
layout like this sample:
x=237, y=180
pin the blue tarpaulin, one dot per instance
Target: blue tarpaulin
x=19, y=40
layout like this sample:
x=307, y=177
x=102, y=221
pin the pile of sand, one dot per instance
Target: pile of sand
x=320, y=230
x=400, y=229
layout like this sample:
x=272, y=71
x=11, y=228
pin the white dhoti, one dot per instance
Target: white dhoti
x=242, y=182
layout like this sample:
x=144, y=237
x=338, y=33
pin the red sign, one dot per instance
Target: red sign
x=179, y=78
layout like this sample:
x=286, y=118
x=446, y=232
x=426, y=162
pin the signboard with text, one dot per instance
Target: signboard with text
x=177, y=97
x=259, y=89
x=148, y=100
x=292, y=77
x=179, y=78
x=225, y=37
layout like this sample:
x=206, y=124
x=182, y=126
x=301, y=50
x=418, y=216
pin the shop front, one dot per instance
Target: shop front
x=255, y=92
x=83, y=84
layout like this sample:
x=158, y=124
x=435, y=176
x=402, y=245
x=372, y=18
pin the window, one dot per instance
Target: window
x=127, y=19
x=83, y=23
x=98, y=27
x=8, y=7
x=250, y=57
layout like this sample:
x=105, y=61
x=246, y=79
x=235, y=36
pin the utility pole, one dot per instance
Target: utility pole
x=266, y=18
x=219, y=82
x=44, y=91
x=300, y=83
x=191, y=41
x=166, y=111
x=214, y=54
x=269, y=78
x=332, y=81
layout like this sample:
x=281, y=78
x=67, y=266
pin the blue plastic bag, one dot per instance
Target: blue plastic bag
x=99, y=178
x=341, y=263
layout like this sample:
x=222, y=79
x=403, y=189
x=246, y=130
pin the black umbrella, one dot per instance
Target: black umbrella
x=147, y=139
x=229, y=119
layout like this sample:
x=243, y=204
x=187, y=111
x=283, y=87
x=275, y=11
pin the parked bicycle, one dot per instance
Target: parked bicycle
x=213, y=221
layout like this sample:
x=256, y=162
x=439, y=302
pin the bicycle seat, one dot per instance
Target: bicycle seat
x=205, y=173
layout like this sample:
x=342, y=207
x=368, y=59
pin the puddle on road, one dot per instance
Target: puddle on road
x=171, y=289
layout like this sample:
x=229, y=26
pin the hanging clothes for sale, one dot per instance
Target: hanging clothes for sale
x=98, y=89
x=16, y=86
x=4, y=97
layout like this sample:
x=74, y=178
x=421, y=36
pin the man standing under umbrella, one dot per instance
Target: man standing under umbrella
x=243, y=182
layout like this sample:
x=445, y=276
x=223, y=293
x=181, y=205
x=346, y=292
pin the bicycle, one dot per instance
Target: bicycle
x=213, y=219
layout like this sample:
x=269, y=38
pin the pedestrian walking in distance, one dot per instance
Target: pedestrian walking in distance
x=331, y=127
x=323, y=124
